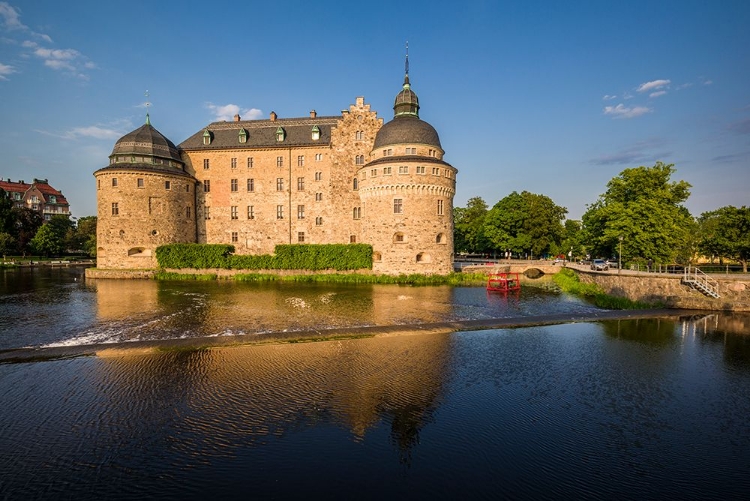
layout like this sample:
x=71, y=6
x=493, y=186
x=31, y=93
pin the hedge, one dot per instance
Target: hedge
x=339, y=257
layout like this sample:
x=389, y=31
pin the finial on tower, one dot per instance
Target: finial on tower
x=406, y=65
x=147, y=104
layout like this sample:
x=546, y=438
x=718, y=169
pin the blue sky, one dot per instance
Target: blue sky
x=551, y=97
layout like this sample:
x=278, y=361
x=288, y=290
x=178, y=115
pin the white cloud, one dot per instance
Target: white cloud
x=657, y=93
x=5, y=70
x=607, y=97
x=11, y=17
x=622, y=111
x=69, y=60
x=92, y=131
x=708, y=82
x=653, y=85
x=228, y=111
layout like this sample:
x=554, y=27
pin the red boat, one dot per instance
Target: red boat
x=503, y=282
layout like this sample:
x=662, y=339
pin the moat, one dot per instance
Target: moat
x=647, y=408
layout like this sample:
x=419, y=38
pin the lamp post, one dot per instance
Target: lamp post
x=619, y=258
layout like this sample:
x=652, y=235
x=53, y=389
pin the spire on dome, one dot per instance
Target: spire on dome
x=406, y=103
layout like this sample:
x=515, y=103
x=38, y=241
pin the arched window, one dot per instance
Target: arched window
x=440, y=238
x=423, y=257
x=355, y=184
x=242, y=136
x=315, y=133
x=207, y=137
x=399, y=238
x=377, y=257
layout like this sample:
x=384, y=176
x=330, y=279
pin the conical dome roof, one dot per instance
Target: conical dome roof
x=146, y=140
x=406, y=102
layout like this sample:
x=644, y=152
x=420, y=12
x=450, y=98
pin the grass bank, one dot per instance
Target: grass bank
x=569, y=282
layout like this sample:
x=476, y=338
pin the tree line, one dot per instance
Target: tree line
x=23, y=232
x=640, y=218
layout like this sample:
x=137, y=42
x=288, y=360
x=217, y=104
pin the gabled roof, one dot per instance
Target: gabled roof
x=262, y=134
x=40, y=184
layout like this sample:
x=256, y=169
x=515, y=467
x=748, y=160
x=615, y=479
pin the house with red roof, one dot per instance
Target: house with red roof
x=38, y=196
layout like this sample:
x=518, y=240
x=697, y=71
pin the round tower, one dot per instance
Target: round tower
x=144, y=199
x=407, y=194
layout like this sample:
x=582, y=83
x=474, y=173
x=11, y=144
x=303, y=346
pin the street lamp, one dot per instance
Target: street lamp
x=619, y=258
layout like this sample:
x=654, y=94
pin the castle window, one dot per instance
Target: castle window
x=242, y=136
x=187, y=188
x=300, y=212
x=315, y=133
x=387, y=171
x=387, y=152
x=115, y=209
x=411, y=151
x=114, y=181
x=132, y=159
x=357, y=212
x=398, y=206
x=251, y=184
x=301, y=237
x=318, y=197
x=318, y=157
x=234, y=212
x=98, y=184
x=398, y=238
x=440, y=238
x=187, y=212
x=206, y=212
x=440, y=209
x=279, y=184
x=318, y=176
x=206, y=137
x=318, y=221
x=206, y=185
x=233, y=163
x=359, y=135
x=280, y=134
x=423, y=257
x=167, y=185
x=403, y=169
x=249, y=162
x=235, y=237
x=420, y=169
x=373, y=172
x=300, y=160
x=300, y=184
x=359, y=160
x=279, y=212
x=233, y=185
x=355, y=184
x=250, y=212
x=377, y=256
x=435, y=171
x=352, y=239
x=140, y=182
x=279, y=161
x=205, y=164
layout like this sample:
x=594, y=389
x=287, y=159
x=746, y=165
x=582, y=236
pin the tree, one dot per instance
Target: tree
x=725, y=233
x=6, y=213
x=644, y=207
x=82, y=237
x=469, y=227
x=26, y=224
x=572, y=240
x=50, y=239
x=525, y=223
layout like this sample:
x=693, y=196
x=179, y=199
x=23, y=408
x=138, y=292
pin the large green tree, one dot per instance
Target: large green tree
x=644, y=207
x=525, y=223
x=469, y=227
x=26, y=222
x=83, y=236
x=725, y=233
x=51, y=238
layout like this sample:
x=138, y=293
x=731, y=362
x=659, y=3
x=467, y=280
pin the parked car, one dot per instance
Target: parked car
x=599, y=265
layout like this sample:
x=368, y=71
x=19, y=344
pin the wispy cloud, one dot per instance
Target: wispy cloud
x=607, y=97
x=91, y=131
x=639, y=153
x=622, y=111
x=657, y=93
x=6, y=70
x=653, y=85
x=228, y=111
x=12, y=22
x=69, y=60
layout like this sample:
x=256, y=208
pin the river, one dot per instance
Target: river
x=631, y=409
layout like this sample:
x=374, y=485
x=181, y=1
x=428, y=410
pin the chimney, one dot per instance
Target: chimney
x=273, y=116
x=237, y=117
x=313, y=114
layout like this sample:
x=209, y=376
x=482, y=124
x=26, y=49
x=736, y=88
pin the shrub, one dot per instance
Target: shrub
x=198, y=256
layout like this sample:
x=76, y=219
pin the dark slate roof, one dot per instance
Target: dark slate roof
x=151, y=168
x=146, y=140
x=407, y=129
x=262, y=134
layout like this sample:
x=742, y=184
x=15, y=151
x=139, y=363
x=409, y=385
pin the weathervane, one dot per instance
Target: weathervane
x=407, y=58
x=147, y=104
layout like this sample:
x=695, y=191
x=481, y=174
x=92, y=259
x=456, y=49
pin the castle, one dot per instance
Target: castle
x=258, y=183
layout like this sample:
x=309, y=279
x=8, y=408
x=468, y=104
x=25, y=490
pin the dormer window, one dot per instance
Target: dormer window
x=243, y=136
x=315, y=133
x=280, y=134
x=206, y=137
